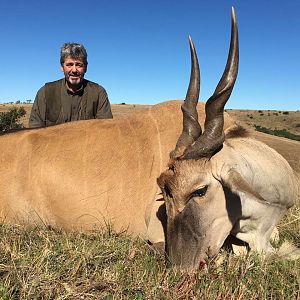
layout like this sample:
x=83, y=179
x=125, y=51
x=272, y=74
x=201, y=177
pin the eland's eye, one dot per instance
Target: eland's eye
x=200, y=192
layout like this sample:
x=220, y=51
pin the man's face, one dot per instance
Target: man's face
x=74, y=70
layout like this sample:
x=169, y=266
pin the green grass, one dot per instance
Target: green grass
x=41, y=263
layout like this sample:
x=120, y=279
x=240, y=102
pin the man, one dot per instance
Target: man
x=71, y=98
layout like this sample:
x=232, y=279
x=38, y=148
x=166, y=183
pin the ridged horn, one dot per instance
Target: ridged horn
x=191, y=127
x=213, y=136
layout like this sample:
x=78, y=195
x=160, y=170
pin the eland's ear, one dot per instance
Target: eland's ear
x=238, y=185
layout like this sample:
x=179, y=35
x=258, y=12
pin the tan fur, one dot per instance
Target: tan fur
x=297, y=175
x=86, y=174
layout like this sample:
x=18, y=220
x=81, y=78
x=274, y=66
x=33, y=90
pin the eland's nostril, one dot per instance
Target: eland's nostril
x=202, y=264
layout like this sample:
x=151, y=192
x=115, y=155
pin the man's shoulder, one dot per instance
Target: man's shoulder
x=51, y=84
x=56, y=82
x=94, y=85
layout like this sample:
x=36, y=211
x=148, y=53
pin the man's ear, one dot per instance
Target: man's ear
x=235, y=182
x=61, y=68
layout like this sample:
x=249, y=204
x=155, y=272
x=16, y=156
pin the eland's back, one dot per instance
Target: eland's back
x=88, y=173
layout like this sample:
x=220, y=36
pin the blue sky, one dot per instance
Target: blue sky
x=138, y=50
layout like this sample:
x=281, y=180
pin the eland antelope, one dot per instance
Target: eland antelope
x=86, y=174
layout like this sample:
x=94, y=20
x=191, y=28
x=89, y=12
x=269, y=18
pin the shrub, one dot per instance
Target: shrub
x=285, y=113
x=278, y=132
x=11, y=119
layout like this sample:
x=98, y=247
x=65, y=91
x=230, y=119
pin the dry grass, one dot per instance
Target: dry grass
x=41, y=263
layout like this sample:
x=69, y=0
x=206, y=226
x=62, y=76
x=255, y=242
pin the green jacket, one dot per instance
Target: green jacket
x=55, y=104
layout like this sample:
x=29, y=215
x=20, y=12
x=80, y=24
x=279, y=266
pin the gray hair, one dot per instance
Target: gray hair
x=74, y=51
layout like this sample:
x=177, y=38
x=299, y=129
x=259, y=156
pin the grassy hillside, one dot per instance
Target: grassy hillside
x=273, y=119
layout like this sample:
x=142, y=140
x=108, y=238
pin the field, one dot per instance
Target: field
x=45, y=263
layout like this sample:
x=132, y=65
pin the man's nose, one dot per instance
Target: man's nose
x=74, y=68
